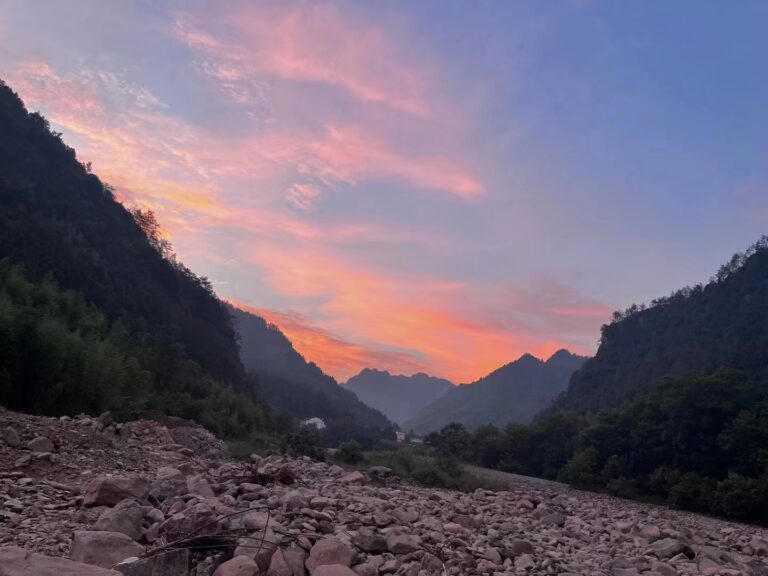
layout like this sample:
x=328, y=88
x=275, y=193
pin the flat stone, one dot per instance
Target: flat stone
x=15, y=561
x=105, y=549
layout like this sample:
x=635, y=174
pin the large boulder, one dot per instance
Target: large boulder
x=288, y=562
x=108, y=491
x=40, y=444
x=16, y=561
x=330, y=551
x=105, y=549
x=126, y=518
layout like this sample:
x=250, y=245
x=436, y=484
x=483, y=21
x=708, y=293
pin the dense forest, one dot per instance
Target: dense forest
x=693, y=433
x=723, y=324
x=96, y=311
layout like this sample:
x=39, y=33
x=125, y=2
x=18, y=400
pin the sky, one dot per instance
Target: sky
x=429, y=186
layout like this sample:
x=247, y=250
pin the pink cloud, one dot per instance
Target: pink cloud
x=310, y=43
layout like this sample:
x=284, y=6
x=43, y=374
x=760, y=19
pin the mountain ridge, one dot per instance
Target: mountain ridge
x=515, y=392
x=397, y=395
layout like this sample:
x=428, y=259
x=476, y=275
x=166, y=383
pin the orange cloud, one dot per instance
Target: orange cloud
x=334, y=355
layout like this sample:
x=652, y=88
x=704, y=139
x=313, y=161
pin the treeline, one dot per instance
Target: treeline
x=693, y=442
x=720, y=325
x=61, y=355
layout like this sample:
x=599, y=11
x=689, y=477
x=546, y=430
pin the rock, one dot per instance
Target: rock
x=759, y=546
x=199, y=485
x=663, y=569
x=650, y=533
x=40, y=444
x=16, y=561
x=171, y=563
x=403, y=543
x=108, y=491
x=126, y=518
x=369, y=541
x=355, y=477
x=168, y=482
x=105, y=549
x=11, y=437
x=294, y=500
x=379, y=472
x=237, y=566
x=525, y=562
x=330, y=551
x=519, y=547
x=465, y=521
x=333, y=570
x=667, y=547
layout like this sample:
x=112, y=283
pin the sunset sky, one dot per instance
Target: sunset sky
x=419, y=186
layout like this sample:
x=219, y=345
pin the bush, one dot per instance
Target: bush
x=580, y=469
x=350, y=452
x=306, y=441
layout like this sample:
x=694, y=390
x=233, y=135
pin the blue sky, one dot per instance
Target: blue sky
x=435, y=186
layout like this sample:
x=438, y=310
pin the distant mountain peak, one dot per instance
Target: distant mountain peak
x=516, y=392
x=396, y=395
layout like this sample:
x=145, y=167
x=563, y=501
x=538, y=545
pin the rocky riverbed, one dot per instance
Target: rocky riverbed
x=86, y=496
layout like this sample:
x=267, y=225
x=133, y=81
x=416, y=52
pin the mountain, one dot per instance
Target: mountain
x=721, y=325
x=399, y=397
x=285, y=380
x=513, y=393
x=93, y=300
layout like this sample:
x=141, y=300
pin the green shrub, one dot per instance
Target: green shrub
x=350, y=452
x=306, y=441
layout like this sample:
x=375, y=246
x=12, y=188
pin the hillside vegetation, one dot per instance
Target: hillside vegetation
x=693, y=433
x=97, y=313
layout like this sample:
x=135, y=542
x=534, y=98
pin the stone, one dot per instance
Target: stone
x=330, y=551
x=105, y=549
x=379, y=472
x=108, y=491
x=168, y=482
x=525, y=562
x=667, y=547
x=40, y=444
x=355, y=477
x=650, y=533
x=127, y=518
x=369, y=541
x=519, y=547
x=171, y=563
x=403, y=543
x=663, y=569
x=15, y=561
x=237, y=566
x=11, y=437
x=333, y=570
x=200, y=486
x=294, y=500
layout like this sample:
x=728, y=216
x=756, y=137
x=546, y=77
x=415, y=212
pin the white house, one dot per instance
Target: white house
x=316, y=422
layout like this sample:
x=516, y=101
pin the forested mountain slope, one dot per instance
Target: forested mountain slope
x=95, y=311
x=723, y=324
x=58, y=219
x=285, y=380
x=399, y=397
x=515, y=392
